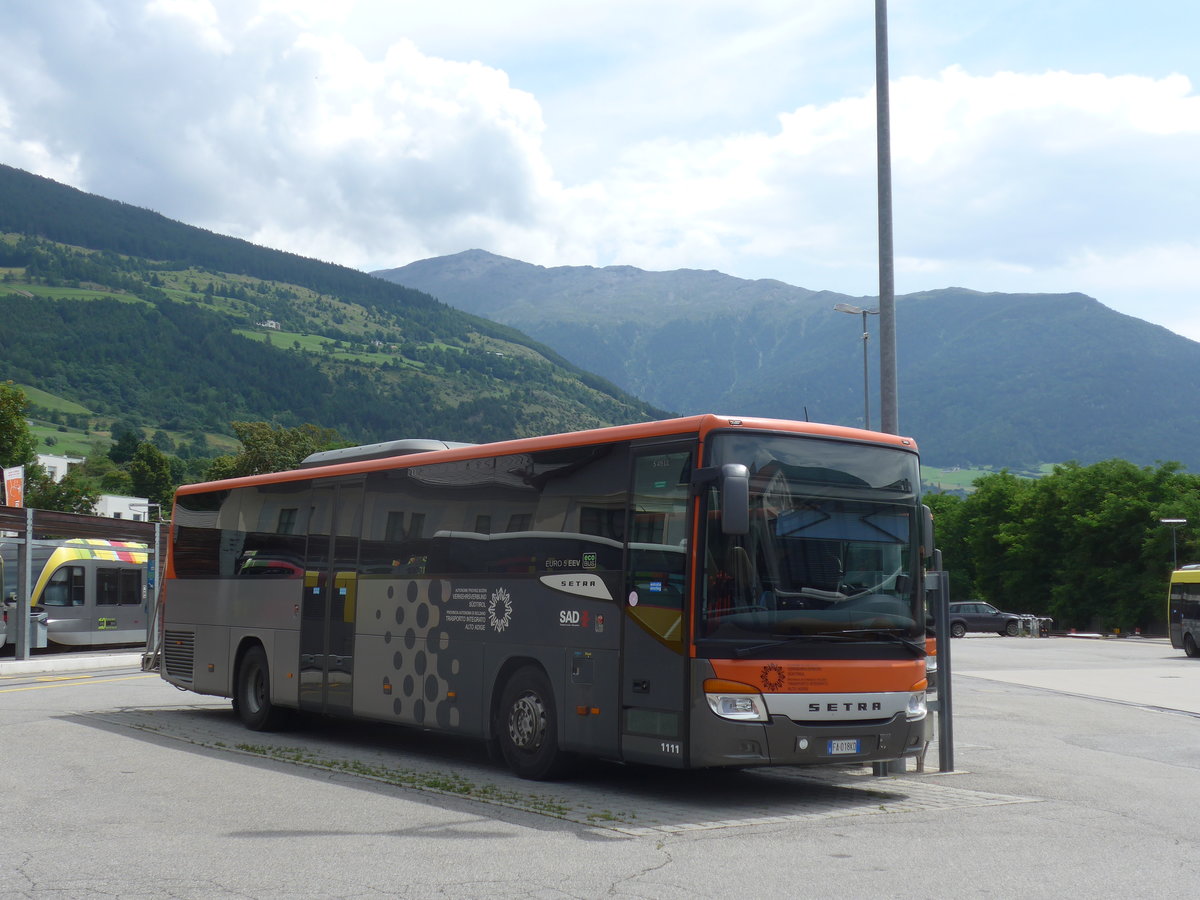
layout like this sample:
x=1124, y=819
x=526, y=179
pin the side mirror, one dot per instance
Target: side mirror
x=735, y=499
x=927, y=544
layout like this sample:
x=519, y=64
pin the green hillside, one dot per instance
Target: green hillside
x=118, y=313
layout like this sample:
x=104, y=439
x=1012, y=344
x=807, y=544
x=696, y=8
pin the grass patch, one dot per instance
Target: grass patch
x=53, y=402
x=71, y=442
x=80, y=293
x=322, y=346
x=957, y=478
x=433, y=781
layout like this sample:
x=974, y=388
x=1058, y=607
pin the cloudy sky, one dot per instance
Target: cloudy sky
x=1037, y=146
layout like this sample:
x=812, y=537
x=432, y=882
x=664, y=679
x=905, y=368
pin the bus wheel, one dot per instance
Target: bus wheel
x=252, y=694
x=527, y=726
x=1189, y=646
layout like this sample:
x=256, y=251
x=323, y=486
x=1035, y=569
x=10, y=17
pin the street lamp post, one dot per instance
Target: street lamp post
x=1173, y=524
x=889, y=414
x=857, y=310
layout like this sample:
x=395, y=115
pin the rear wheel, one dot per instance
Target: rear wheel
x=1190, y=647
x=957, y=629
x=252, y=694
x=527, y=727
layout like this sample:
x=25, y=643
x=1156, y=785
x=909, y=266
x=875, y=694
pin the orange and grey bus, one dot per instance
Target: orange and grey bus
x=1183, y=610
x=698, y=592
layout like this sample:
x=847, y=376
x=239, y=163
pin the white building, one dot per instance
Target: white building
x=56, y=466
x=117, y=507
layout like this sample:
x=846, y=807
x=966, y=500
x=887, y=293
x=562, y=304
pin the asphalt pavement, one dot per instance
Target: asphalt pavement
x=1077, y=774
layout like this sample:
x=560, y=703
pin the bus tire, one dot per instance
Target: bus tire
x=252, y=694
x=1189, y=646
x=527, y=727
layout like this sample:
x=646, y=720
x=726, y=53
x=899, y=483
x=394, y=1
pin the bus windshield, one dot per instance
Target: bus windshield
x=831, y=554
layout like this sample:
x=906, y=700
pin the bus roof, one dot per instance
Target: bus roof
x=700, y=425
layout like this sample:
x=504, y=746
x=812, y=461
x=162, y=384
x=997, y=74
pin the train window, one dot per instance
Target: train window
x=118, y=586
x=65, y=587
x=108, y=585
x=130, y=589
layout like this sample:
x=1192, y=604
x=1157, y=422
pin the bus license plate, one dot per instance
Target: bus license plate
x=837, y=748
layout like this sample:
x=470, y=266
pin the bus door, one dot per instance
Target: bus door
x=330, y=597
x=653, y=659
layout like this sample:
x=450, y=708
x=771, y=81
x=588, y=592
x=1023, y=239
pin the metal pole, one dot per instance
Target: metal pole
x=1173, y=524
x=945, y=687
x=888, y=400
x=24, y=608
x=866, y=374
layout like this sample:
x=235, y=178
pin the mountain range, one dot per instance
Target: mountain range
x=986, y=379
x=134, y=317
x=128, y=315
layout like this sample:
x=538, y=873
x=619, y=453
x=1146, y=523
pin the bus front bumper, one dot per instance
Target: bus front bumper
x=784, y=742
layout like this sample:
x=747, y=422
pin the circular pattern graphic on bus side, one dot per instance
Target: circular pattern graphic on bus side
x=415, y=675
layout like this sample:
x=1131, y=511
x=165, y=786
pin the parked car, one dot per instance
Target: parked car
x=973, y=615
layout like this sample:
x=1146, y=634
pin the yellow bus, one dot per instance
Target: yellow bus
x=1183, y=610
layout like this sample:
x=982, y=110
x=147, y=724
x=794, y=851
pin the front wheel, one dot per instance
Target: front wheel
x=1012, y=629
x=252, y=694
x=527, y=727
x=1190, y=647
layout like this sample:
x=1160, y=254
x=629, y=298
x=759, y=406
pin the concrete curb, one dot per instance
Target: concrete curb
x=69, y=662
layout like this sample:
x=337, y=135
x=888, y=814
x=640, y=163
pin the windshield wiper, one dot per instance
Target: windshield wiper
x=915, y=647
x=856, y=635
x=746, y=651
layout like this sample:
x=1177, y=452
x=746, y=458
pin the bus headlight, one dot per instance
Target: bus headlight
x=917, y=710
x=732, y=700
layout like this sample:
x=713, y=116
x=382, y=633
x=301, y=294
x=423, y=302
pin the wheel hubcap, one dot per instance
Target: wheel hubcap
x=258, y=690
x=527, y=722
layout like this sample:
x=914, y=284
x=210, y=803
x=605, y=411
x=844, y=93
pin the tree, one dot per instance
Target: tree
x=125, y=447
x=984, y=515
x=116, y=481
x=150, y=474
x=270, y=448
x=18, y=446
x=72, y=494
x=949, y=538
x=1082, y=545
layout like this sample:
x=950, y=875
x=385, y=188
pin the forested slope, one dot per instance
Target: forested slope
x=146, y=319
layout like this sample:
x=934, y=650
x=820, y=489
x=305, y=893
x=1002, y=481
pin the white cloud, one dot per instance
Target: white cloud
x=197, y=17
x=674, y=134
x=1004, y=182
x=261, y=129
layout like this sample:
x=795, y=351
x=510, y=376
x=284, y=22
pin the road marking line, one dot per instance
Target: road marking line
x=74, y=683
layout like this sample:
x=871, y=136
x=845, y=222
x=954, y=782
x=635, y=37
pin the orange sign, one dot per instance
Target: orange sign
x=14, y=486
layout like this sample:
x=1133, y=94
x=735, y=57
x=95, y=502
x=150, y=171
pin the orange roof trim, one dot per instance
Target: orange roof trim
x=700, y=425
